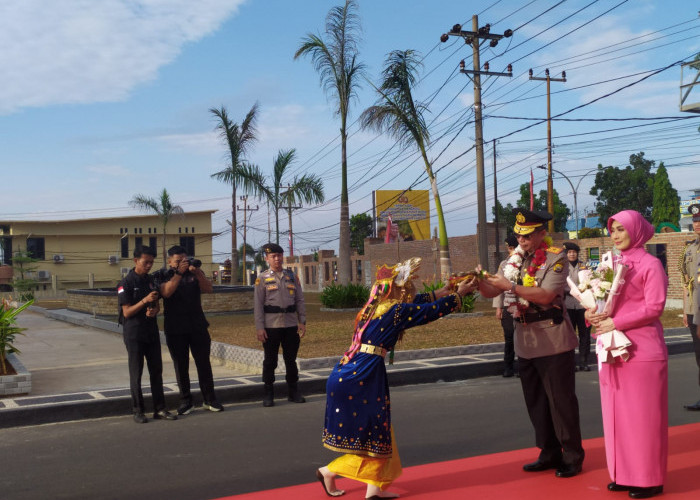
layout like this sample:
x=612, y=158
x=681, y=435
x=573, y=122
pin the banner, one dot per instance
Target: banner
x=409, y=211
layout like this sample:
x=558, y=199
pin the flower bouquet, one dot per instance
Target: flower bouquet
x=599, y=289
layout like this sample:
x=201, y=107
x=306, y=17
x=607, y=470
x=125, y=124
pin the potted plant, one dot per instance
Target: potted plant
x=8, y=330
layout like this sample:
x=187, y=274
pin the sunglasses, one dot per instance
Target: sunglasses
x=523, y=236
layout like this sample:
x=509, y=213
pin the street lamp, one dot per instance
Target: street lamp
x=574, y=189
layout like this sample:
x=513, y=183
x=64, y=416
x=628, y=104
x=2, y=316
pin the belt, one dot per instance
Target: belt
x=278, y=309
x=373, y=349
x=555, y=314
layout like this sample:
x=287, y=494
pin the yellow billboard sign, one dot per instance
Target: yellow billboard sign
x=410, y=210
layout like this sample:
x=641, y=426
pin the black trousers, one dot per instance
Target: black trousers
x=578, y=319
x=508, y=332
x=137, y=351
x=288, y=338
x=198, y=342
x=696, y=341
x=549, y=387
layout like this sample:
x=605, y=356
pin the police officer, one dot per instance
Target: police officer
x=280, y=319
x=690, y=270
x=138, y=307
x=574, y=308
x=505, y=317
x=181, y=286
x=534, y=282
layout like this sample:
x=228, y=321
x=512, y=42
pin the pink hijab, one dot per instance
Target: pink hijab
x=639, y=229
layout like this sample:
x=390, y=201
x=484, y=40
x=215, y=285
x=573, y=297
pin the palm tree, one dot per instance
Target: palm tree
x=162, y=207
x=305, y=189
x=398, y=115
x=238, y=139
x=340, y=72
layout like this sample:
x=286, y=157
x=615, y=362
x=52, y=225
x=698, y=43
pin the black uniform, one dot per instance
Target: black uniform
x=185, y=331
x=142, y=340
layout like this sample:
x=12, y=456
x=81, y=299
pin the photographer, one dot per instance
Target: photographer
x=181, y=286
x=138, y=307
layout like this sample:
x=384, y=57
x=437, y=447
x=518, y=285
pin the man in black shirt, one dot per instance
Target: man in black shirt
x=138, y=308
x=181, y=286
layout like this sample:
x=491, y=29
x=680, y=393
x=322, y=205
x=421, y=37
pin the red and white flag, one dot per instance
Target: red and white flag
x=532, y=187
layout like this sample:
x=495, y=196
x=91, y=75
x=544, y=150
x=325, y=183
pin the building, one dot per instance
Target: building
x=97, y=252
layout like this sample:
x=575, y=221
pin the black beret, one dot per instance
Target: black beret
x=570, y=245
x=269, y=248
x=511, y=240
x=527, y=221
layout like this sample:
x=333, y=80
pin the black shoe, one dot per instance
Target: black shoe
x=508, y=372
x=568, y=470
x=269, y=396
x=586, y=368
x=646, y=492
x=164, y=415
x=140, y=418
x=540, y=465
x=693, y=407
x=618, y=487
x=185, y=409
x=213, y=406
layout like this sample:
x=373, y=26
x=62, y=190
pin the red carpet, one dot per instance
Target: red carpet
x=500, y=476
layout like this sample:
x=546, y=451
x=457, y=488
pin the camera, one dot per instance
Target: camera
x=194, y=262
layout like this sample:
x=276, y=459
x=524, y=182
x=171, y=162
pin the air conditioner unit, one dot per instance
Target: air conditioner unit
x=113, y=259
x=43, y=275
x=124, y=271
x=58, y=259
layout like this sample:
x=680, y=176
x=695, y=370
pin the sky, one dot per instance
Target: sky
x=101, y=101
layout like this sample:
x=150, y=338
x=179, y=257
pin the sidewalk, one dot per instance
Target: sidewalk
x=81, y=371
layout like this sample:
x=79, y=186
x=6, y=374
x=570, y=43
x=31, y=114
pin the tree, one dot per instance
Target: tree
x=238, y=139
x=360, y=228
x=163, y=207
x=23, y=263
x=335, y=60
x=305, y=189
x=561, y=211
x=666, y=204
x=630, y=188
x=401, y=117
x=506, y=217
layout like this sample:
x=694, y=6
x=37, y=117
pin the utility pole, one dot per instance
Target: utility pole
x=289, y=210
x=473, y=38
x=245, y=209
x=550, y=184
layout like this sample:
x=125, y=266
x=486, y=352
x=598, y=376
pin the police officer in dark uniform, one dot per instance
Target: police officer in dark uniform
x=690, y=270
x=181, y=286
x=574, y=308
x=534, y=282
x=138, y=307
x=506, y=318
x=280, y=319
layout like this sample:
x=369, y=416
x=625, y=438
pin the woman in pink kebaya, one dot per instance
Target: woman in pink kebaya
x=634, y=394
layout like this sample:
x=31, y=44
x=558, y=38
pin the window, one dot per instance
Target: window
x=326, y=272
x=35, y=248
x=306, y=275
x=125, y=248
x=138, y=241
x=593, y=256
x=153, y=243
x=149, y=230
x=659, y=251
x=187, y=242
x=192, y=230
x=358, y=267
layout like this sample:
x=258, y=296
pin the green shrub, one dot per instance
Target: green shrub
x=347, y=296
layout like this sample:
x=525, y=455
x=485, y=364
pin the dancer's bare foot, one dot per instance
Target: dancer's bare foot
x=374, y=493
x=327, y=479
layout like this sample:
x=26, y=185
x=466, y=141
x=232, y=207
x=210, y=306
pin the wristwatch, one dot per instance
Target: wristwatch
x=512, y=288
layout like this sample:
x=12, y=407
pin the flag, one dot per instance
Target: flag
x=532, y=187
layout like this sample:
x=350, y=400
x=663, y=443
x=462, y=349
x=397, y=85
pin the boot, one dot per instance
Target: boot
x=294, y=394
x=269, y=395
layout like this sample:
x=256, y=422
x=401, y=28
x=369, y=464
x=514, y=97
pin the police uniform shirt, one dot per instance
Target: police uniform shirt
x=131, y=290
x=545, y=338
x=571, y=302
x=691, y=274
x=183, y=309
x=280, y=290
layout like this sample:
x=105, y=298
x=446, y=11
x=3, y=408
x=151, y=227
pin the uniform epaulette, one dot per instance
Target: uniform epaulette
x=554, y=249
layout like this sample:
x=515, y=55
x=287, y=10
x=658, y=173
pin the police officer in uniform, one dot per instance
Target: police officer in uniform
x=506, y=318
x=186, y=327
x=544, y=342
x=574, y=308
x=138, y=307
x=690, y=270
x=280, y=319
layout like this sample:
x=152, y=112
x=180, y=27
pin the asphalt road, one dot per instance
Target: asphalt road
x=249, y=448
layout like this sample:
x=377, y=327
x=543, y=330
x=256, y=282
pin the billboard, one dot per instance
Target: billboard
x=409, y=210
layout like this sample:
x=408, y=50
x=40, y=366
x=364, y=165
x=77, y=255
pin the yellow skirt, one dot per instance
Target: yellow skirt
x=380, y=472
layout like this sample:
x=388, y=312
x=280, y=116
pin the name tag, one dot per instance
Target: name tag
x=271, y=287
